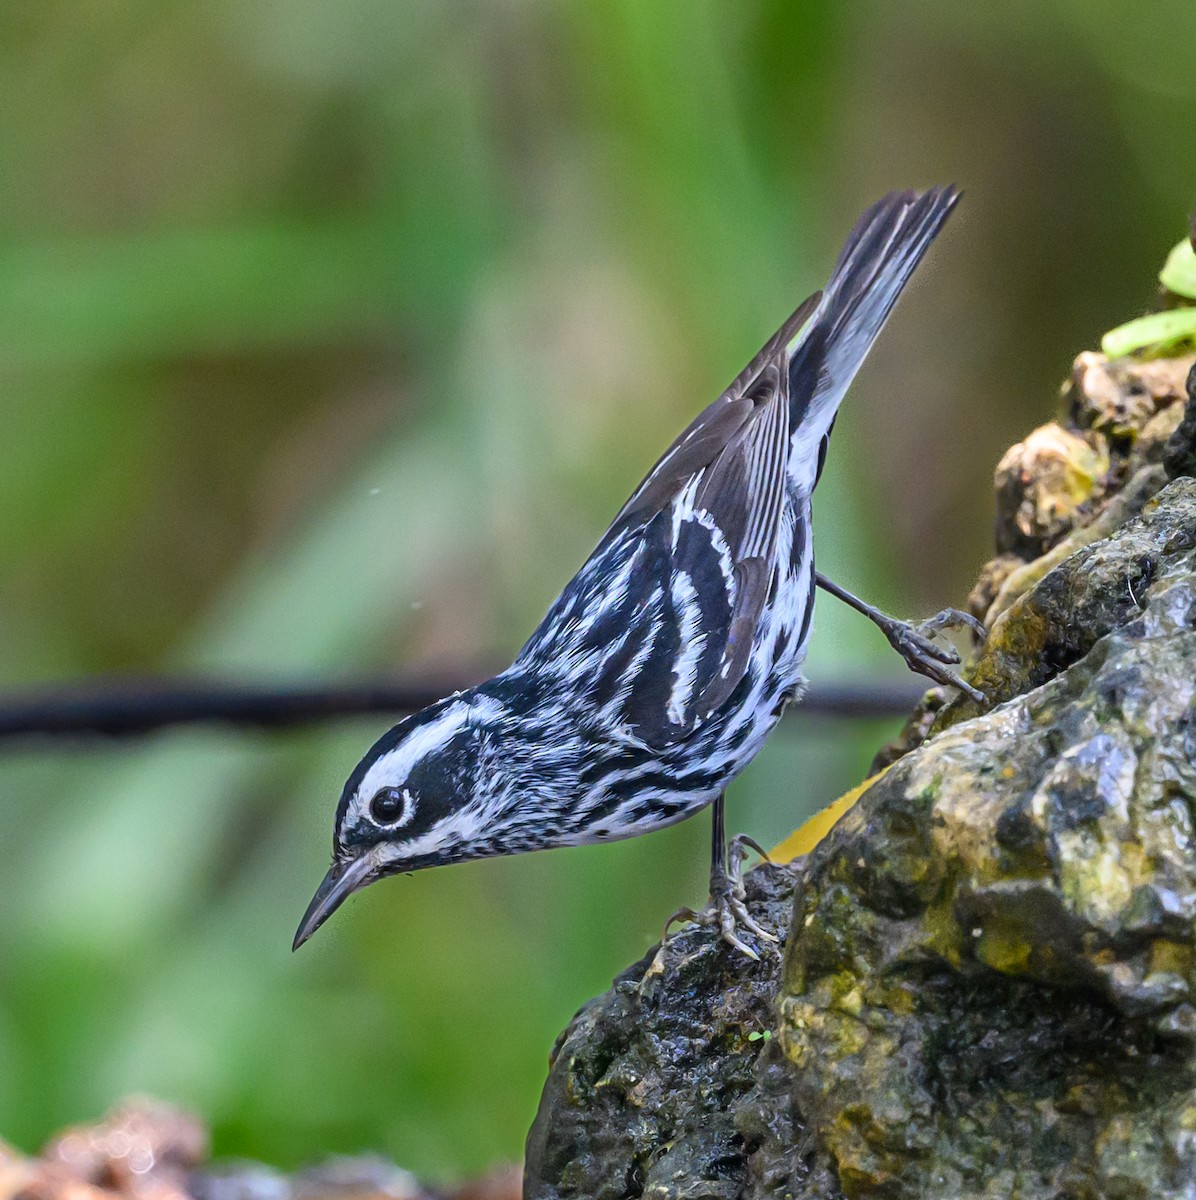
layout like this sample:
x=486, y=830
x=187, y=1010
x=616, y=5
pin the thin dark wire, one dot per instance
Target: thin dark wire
x=129, y=708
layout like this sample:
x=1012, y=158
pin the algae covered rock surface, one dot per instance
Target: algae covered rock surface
x=671, y=1085
x=989, y=986
x=989, y=978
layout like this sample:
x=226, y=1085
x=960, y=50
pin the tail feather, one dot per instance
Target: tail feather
x=876, y=262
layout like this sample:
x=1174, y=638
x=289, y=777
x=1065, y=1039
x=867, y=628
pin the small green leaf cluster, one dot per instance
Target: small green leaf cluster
x=1168, y=332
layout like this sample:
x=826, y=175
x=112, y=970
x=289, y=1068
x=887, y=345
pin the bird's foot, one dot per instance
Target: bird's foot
x=727, y=911
x=917, y=644
x=729, y=914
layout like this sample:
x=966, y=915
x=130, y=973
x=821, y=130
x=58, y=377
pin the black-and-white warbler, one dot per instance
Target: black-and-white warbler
x=665, y=663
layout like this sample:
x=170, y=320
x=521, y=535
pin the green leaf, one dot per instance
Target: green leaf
x=1179, y=271
x=1160, y=332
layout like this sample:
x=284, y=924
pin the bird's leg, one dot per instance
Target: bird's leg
x=727, y=910
x=915, y=643
x=727, y=907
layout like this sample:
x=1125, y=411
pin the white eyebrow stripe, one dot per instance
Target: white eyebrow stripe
x=392, y=769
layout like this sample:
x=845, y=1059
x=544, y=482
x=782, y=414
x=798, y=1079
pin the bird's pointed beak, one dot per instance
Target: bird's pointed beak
x=339, y=884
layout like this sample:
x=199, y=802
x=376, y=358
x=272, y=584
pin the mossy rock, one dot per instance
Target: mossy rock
x=671, y=1085
x=989, y=987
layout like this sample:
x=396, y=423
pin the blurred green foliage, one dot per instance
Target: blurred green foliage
x=333, y=331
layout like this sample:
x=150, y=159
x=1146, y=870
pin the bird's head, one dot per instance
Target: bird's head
x=414, y=801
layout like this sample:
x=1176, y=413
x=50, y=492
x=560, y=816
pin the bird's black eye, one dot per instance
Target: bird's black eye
x=389, y=805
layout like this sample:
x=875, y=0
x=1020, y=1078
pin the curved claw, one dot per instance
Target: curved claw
x=742, y=839
x=726, y=924
x=911, y=642
x=727, y=896
x=940, y=674
x=727, y=911
x=950, y=679
x=926, y=657
x=684, y=913
x=954, y=618
x=730, y=913
x=965, y=618
x=744, y=919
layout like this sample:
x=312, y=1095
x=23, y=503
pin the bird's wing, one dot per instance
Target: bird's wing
x=710, y=558
x=657, y=627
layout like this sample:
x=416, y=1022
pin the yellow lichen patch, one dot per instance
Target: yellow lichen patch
x=900, y=997
x=850, y=1035
x=1096, y=879
x=831, y=989
x=965, y=815
x=867, y=1157
x=1172, y=958
x=1005, y=950
x=1018, y=632
x=807, y=836
x=851, y=1003
x=943, y=932
x=803, y=1021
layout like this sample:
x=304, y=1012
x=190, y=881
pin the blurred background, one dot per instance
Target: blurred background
x=332, y=333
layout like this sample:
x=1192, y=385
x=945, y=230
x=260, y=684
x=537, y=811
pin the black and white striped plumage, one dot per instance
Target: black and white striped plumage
x=667, y=660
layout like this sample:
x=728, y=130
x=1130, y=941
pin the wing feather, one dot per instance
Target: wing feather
x=695, y=546
x=733, y=517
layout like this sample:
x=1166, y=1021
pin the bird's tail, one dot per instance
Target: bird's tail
x=876, y=261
